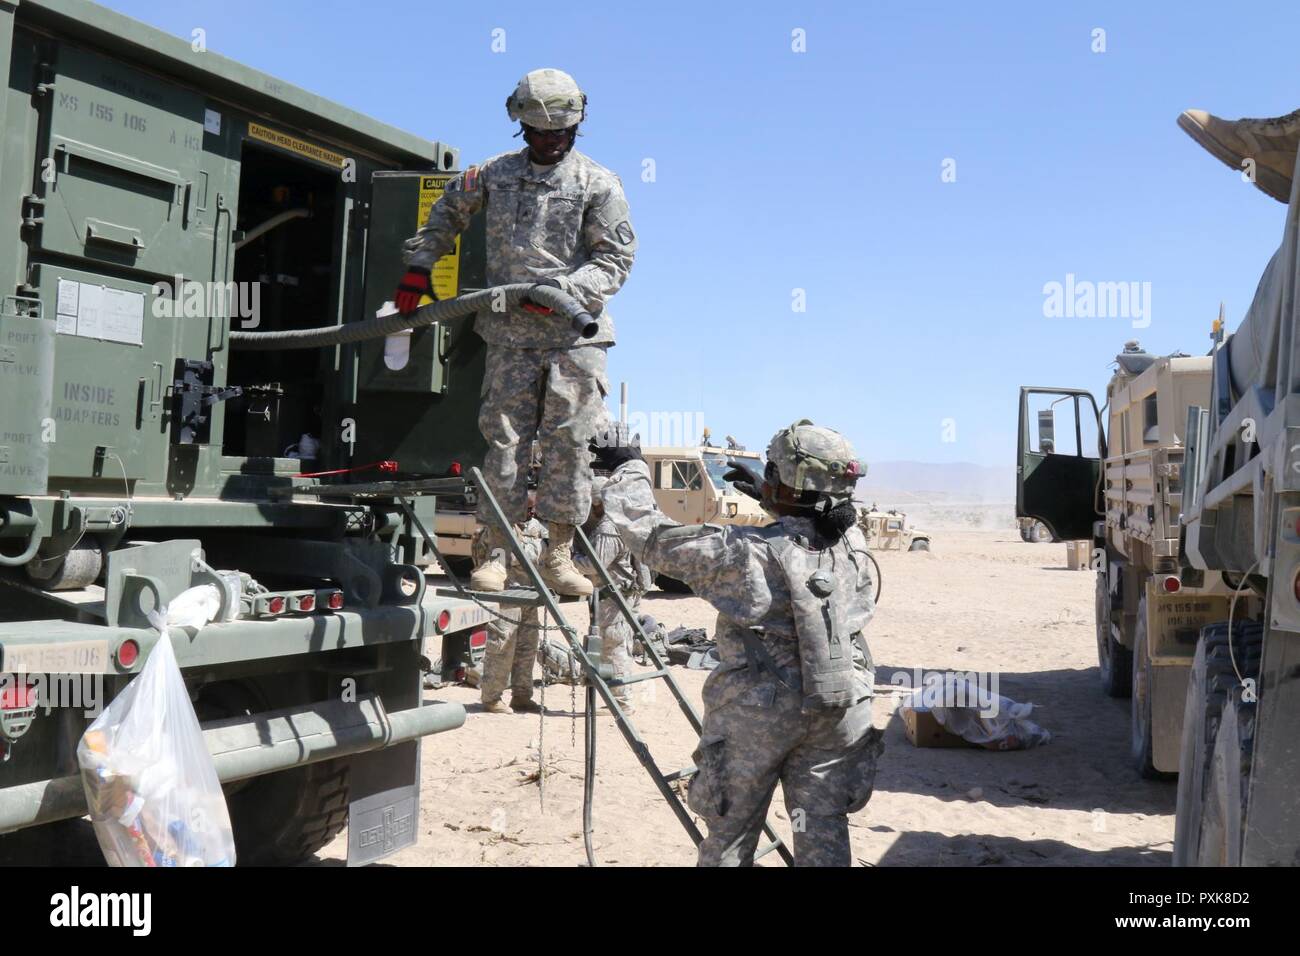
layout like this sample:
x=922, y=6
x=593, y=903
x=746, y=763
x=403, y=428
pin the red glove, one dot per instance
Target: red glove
x=415, y=284
x=528, y=305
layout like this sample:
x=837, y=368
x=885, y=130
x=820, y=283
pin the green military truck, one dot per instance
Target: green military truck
x=159, y=198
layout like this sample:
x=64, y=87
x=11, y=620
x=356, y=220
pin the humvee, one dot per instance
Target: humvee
x=689, y=487
x=889, y=531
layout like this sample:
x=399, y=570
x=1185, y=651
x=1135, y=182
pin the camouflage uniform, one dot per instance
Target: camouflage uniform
x=756, y=731
x=632, y=579
x=512, y=647
x=569, y=223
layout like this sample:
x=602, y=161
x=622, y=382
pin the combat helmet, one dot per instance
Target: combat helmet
x=547, y=99
x=808, y=457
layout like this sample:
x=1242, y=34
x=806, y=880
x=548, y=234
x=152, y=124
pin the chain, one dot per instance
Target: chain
x=541, y=728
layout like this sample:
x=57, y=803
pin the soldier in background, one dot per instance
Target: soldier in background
x=557, y=218
x=791, y=698
x=512, y=641
x=633, y=580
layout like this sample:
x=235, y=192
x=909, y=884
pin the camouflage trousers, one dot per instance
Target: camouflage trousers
x=754, y=735
x=557, y=395
x=616, y=638
x=511, y=650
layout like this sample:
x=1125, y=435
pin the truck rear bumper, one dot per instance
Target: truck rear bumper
x=245, y=747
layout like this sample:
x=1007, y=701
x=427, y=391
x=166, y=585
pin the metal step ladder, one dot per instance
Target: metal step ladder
x=594, y=670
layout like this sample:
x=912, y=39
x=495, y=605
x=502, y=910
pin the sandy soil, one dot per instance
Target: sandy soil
x=982, y=600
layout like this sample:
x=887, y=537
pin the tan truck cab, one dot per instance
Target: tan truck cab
x=689, y=487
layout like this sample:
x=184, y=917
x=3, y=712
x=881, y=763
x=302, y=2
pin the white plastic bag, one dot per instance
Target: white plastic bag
x=979, y=716
x=153, y=792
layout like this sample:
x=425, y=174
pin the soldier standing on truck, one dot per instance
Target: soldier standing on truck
x=791, y=698
x=556, y=218
x=633, y=580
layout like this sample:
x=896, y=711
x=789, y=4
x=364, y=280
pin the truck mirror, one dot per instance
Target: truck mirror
x=1046, y=431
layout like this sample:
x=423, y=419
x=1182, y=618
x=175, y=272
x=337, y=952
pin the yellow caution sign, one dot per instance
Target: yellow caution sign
x=446, y=271
x=296, y=146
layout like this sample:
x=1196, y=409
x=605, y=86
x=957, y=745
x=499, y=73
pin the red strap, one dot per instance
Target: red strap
x=386, y=466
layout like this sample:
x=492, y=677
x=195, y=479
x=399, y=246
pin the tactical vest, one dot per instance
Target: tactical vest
x=829, y=614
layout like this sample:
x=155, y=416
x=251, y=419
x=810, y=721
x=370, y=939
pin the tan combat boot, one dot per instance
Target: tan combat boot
x=490, y=573
x=1271, y=143
x=497, y=706
x=557, y=567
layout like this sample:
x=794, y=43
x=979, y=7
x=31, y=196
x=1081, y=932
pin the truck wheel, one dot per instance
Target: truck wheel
x=920, y=544
x=1218, y=741
x=1026, y=534
x=1114, y=660
x=285, y=817
x=1143, y=683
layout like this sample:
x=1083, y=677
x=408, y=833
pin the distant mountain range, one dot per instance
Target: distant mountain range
x=894, y=483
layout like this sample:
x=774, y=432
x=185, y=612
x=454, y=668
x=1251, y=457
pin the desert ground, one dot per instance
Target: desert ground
x=981, y=601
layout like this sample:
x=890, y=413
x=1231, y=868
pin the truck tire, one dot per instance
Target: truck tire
x=1034, y=533
x=1218, y=742
x=283, y=818
x=920, y=544
x=1114, y=660
x=1142, y=747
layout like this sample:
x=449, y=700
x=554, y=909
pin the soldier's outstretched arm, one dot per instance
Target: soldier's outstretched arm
x=461, y=198
x=728, y=567
x=607, y=233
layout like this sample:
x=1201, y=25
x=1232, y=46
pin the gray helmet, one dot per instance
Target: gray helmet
x=808, y=457
x=547, y=99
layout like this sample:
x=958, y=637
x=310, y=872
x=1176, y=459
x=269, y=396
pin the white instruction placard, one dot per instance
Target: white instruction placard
x=98, y=312
x=69, y=300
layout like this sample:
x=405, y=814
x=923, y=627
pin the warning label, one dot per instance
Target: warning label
x=446, y=271
x=294, y=145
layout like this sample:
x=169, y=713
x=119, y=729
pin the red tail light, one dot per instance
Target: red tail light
x=478, y=639
x=17, y=697
x=128, y=652
x=336, y=601
x=455, y=471
x=275, y=605
x=1172, y=584
x=307, y=602
x=444, y=620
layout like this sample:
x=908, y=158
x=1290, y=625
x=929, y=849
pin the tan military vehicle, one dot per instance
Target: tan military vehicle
x=1127, y=496
x=889, y=531
x=689, y=487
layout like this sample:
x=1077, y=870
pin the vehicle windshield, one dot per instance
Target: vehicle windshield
x=717, y=467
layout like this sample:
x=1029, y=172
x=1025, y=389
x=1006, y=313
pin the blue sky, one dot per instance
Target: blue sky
x=821, y=171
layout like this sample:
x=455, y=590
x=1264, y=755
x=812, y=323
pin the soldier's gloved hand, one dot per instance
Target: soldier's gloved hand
x=530, y=306
x=414, y=285
x=613, y=447
x=745, y=479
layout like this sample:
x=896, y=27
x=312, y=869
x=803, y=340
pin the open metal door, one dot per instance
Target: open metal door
x=1058, y=471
